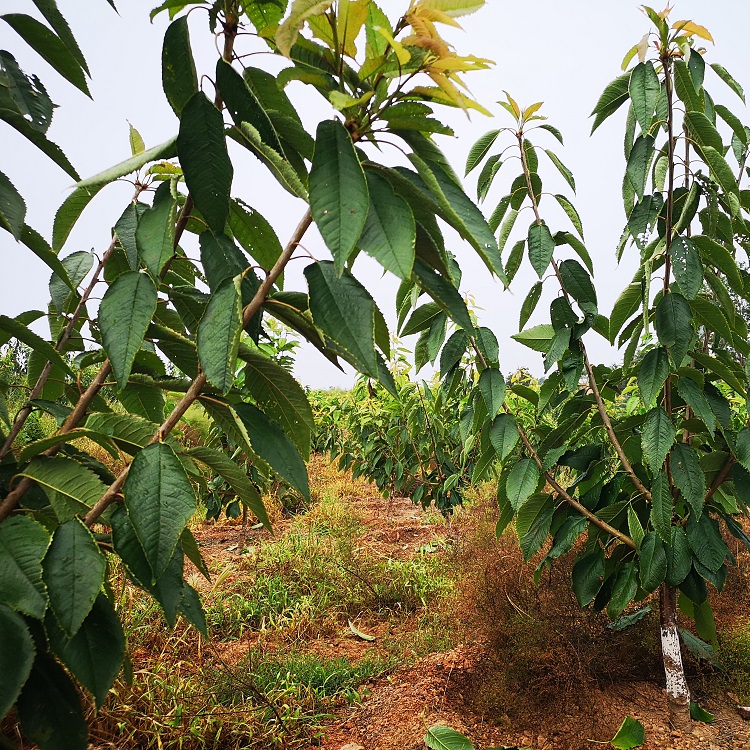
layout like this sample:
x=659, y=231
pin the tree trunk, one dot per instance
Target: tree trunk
x=678, y=693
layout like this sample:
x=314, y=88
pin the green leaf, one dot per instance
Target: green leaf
x=652, y=374
x=587, y=576
x=694, y=397
x=644, y=89
x=479, y=150
x=537, y=338
x=160, y=501
x=492, y=387
x=39, y=246
x=703, y=131
x=25, y=95
x=78, y=486
x=530, y=303
x=522, y=482
x=722, y=173
x=679, y=560
x=571, y=213
x=94, y=655
x=235, y=477
x=727, y=78
x=697, y=713
x=718, y=255
x=711, y=317
x=742, y=448
x=219, y=334
x=685, y=88
x=68, y=214
x=443, y=738
x=23, y=545
x=344, y=310
x=74, y=573
x=504, y=435
x=166, y=150
x=661, y=507
x=254, y=234
x=533, y=523
x=390, y=231
x=15, y=329
x=704, y=537
x=144, y=401
x=541, y=247
x=613, y=97
x=48, y=8
x=76, y=265
x=630, y=734
x=16, y=657
x=125, y=230
x=688, y=476
x=578, y=285
x=443, y=293
x=567, y=175
x=712, y=364
x=624, y=590
x=653, y=562
x=339, y=198
x=12, y=208
x=639, y=163
x=274, y=447
x=178, y=75
x=626, y=305
x=30, y=450
x=281, y=398
x=674, y=325
x=205, y=162
x=125, y=313
x=687, y=267
x=155, y=232
x=657, y=438
x=49, y=708
x=50, y=47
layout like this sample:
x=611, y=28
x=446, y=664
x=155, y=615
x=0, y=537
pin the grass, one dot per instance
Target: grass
x=259, y=681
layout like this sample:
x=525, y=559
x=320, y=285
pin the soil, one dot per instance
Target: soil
x=456, y=687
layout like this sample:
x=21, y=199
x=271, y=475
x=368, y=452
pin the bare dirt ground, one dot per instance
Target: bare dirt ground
x=467, y=687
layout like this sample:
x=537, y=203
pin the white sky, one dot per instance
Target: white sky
x=563, y=53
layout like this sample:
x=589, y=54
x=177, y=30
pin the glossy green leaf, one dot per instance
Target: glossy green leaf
x=613, y=97
x=94, y=655
x=281, y=398
x=706, y=541
x=12, y=208
x=687, y=267
x=50, y=47
x=644, y=89
x=661, y=507
x=125, y=313
x=624, y=589
x=652, y=374
x=219, y=335
x=160, y=501
x=74, y=573
x=702, y=131
x=443, y=293
x=541, y=246
x=625, y=306
x=722, y=72
x=49, y=708
x=533, y=523
x=178, y=76
x=742, y=448
x=587, y=576
x=522, y=482
x=688, y=475
x=639, y=163
x=657, y=438
x=204, y=159
x=578, y=285
x=567, y=176
x=674, y=325
x=492, y=387
x=653, y=562
x=166, y=150
x=504, y=435
x=23, y=545
x=343, y=309
x=235, y=477
x=155, y=232
x=679, y=560
x=631, y=734
x=16, y=657
x=537, y=338
x=144, y=401
x=389, y=232
x=339, y=198
x=274, y=447
x=480, y=149
x=694, y=397
x=529, y=304
x=443, y=738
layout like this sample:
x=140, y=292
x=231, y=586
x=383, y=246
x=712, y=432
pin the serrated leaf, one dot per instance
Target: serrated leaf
x=630, y=734
x=679, y=560
x=661, y=507
x=562, y=169
x=639, y=162
x=204, y=159
x=657, y=438
x=674, y=325
x=69, y=212
x=444, y=738
x=694, y=397
x=178, y=74
x=533, y=523
x=274, y=447
x=522, y=482
x=652, y=374
x=702, y=131
x=16, y=657
x=160, y=501
x=443, y=293
x=706, y=541
x=23, y=545
x=587, y=577
x=541, y=246
x=644, y=89
x=73, y=573
x=688, y=475
x=687, y=267
x=504, y=435
x=727, y=78
x=492, y=387
x=219, y=334
x=653, y=562
x=578, y=285
x=571, y=213
x=235, y=477
x=15, y=329
x=479, y=150
x=12, y=208
x=529, y=304
x=722, y=173
x=624, y=590
x=613, y=97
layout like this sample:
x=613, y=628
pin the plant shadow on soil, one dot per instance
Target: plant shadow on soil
x=457, y=633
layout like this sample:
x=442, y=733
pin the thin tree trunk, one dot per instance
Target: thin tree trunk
x=678, y=692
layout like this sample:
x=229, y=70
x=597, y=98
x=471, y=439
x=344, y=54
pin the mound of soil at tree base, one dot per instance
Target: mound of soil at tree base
x=451, y=688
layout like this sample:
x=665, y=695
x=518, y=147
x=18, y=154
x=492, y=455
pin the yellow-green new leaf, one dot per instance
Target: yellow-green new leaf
x=287, y=33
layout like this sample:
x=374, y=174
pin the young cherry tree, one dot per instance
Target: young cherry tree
x=644, y=494
x=64, y=516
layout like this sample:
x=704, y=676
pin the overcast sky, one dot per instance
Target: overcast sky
x=562, y=53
